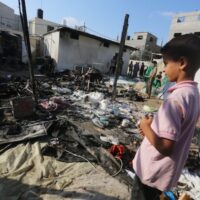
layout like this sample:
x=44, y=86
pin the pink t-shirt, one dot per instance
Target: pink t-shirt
x=175, y=120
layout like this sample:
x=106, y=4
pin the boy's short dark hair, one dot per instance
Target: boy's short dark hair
x=187, y=46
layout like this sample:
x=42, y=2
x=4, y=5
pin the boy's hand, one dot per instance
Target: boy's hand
x=145, y=123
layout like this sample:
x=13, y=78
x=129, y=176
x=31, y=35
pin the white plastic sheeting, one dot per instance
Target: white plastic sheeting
x=26, y=174
x=192, y=182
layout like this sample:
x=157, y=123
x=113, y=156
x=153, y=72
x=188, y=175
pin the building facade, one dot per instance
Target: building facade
x=144, y=41
x=9, y=21
x=10, y=36
x=38, y=26
x=69, y=47
x=184, y=23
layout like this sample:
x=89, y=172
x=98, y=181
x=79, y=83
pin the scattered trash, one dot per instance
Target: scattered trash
x=110, y=139
x=148, y=109
x=65, y=97
x=125, y=123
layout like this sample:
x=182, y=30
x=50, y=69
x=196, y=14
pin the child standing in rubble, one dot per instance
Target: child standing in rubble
x=167, y=136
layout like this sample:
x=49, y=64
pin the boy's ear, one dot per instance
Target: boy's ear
x=183, y=63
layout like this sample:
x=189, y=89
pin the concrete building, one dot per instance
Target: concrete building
x=9, y=21
x=70, y=47
x=183, y=23
x=10, y=36
x=144, y=41
x=38, y=26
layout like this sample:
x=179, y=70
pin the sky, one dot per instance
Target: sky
x=106, y=17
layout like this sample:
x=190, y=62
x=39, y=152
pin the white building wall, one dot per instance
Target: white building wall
x=85, y=50
x=190, y=23
x=140, y=44
x=8, y=19
x=51, y=45
x=39, y=26
x=145, y=43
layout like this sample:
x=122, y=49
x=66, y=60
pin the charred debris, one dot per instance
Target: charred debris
x=72, y=111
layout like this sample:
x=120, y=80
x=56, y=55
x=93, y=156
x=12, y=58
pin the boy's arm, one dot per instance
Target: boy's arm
x=163, y=145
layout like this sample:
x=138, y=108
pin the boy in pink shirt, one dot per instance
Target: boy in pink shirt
x=167, y=136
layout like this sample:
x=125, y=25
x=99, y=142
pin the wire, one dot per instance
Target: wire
x=120, y=169
x=121, y=163
x=79, y=157
x=99, y=33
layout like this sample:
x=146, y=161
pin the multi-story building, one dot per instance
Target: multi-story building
x=9, y=21
x=144, y=41
x=38, y=26
x=10, y=35
x=183, y=23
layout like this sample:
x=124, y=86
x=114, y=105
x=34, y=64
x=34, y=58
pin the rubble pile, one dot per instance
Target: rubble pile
x=79, y=122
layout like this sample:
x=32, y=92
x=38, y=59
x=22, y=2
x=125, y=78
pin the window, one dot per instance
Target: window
x=151, y=39
x=140, y=37
x=50, y=28
x=177, y=34
x=106, y=44
x=128, y=37
x=197, y=33
x=180, y=19
x=74, y=35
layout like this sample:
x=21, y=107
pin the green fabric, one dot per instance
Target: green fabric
x=148, y=71
x=156, y=84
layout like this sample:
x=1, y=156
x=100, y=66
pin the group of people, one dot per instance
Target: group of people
x=148, y=73
x=134, y=69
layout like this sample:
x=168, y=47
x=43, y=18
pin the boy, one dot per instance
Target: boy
x=167, y=136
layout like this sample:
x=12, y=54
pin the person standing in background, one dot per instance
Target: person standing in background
x=141, y=73
x=112, y=66
x=135, y=69
x=130, y=68
x=152, y=74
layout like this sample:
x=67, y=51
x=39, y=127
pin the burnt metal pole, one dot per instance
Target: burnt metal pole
x=120, y=54
x=28, y=48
